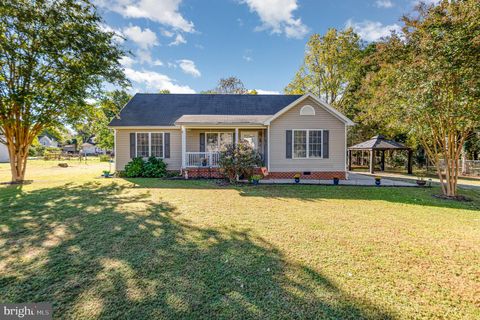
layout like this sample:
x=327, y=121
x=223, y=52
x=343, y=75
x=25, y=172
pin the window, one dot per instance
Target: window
x=142, y=145
x=307, y=111
x=299, y=144
x=315, y=144
x=216, y=141
x=149, y=144
x=156, y=140
x=307, y=144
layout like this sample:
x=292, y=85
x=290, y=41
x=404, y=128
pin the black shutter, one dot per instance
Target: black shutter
x=288, y=145
x=132, y=145
x=326, y=143
x=202, y=142
x=166, y=137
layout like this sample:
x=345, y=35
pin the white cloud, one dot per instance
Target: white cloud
x=126, y=61
x=188, y=67
x=384, y=3
x=144, y=38
x=156, y=81
x=163, y=11
x=144, y=56
x=118, y=35
x=167, y=33
x=247, y=58
x=157, y=63
x=260, y=91
x=428, y=2
x=179, y=39
x=372, y=30
x=277, y=16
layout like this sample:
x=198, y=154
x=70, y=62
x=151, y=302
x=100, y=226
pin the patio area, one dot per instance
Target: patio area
x=354, y=179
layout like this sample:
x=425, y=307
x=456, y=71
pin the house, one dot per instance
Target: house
x=70, y=148
x=4, y=156
x=89, y=148
x=293, y=133
x=47, y=140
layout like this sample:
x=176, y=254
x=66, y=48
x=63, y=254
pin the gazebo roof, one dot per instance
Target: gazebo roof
x=379, y=143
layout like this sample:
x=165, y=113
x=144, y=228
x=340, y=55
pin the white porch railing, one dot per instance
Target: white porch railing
x=202, y=159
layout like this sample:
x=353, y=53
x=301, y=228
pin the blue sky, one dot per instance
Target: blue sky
x=186, y=46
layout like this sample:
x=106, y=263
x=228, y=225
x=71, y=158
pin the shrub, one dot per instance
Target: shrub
x=239, y=160
x=134, y=168
x=154, y=168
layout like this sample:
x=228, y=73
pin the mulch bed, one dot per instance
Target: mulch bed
x=454, y=198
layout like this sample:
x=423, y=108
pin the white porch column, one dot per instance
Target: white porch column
x=236, y=136
x=268, y=148
x=184, y=147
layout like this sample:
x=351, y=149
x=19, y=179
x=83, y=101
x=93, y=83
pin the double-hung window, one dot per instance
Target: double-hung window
x=143, y=145
x=217, y=141
x=307, y=144
x=150, y=144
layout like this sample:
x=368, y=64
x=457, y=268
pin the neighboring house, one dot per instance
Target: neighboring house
x=91, y=149
x=69, y=148
x=293, y=133
x=47, y=141
x=4, y=157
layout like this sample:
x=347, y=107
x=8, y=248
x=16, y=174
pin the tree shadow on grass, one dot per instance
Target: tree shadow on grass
x=108, y=252
x=413, y=196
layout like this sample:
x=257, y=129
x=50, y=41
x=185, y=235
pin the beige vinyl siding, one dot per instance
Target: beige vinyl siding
x=122, y=156
x=293, y=120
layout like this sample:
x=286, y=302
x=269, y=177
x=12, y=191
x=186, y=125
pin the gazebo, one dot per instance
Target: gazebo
x=379, y=143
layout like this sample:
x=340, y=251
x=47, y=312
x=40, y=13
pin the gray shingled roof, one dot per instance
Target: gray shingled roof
x=222, y=119
x=165, y=109
x=378, y=143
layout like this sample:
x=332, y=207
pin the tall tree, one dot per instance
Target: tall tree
x=230, y=85
x=108, y=108
x=330, y=63
x=430, y=81
x=53, y=55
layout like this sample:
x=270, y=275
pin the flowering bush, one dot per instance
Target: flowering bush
x=239, y=161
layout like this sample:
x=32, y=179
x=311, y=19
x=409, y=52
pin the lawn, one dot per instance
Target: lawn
x=144, y=249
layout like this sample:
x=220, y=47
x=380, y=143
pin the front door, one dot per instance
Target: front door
x=251, y=137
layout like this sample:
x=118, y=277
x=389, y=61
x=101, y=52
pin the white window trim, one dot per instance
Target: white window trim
x=218, y=138
x=150, y=144
x=307, y=144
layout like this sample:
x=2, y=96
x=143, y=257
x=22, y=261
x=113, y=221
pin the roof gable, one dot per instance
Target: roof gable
x=321, y=103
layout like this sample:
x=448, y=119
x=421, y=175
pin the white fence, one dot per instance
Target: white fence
x=202, y=159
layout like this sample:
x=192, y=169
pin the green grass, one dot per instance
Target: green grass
x=145, y=249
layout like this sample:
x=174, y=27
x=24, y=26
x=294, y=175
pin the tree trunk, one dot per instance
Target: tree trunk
x=18, y=163
x=18, y=140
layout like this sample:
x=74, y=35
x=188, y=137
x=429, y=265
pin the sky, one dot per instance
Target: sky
x=186, y=46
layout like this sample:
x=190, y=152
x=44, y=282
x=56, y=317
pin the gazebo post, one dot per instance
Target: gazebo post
x=372, y=160
x=409, y=165
x=349, y=160
x=383, y=160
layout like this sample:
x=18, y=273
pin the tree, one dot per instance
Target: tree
x=164, y=91
x=53, y=55
x=430, y=81
x=230, y=85
x=108, y=108
x=330, y=63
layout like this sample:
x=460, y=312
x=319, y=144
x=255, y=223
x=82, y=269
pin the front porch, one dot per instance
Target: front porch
x=201, y=147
